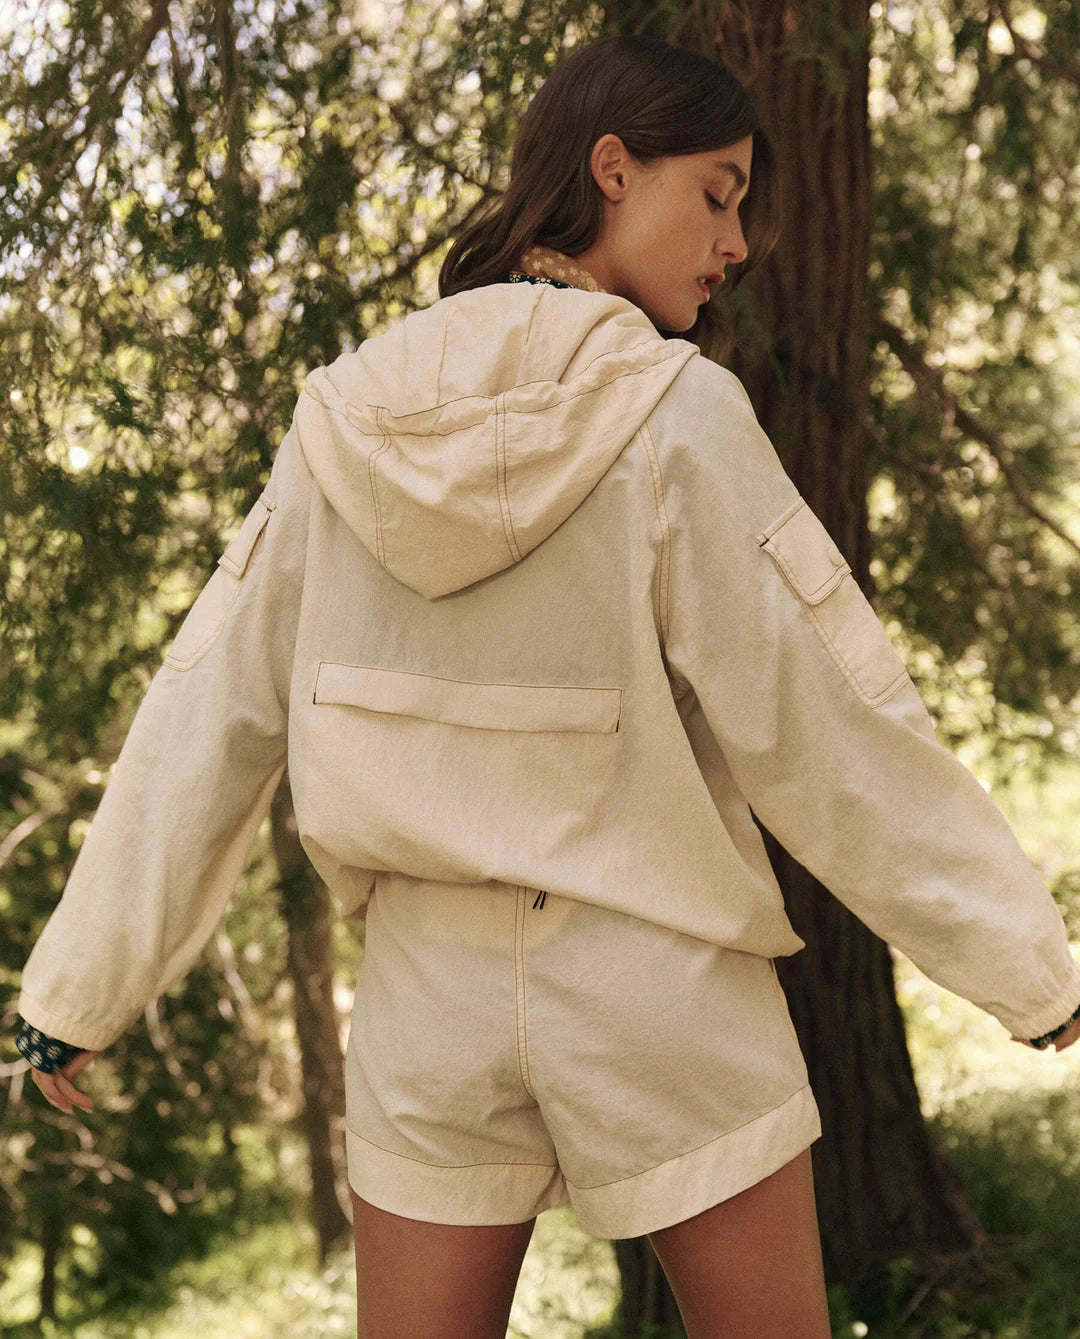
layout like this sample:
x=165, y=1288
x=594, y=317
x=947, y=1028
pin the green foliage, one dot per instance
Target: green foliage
x=974, y=289
x=1018, y=1156
x=161, y=1165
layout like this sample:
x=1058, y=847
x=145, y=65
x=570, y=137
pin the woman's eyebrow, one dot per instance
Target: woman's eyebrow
x=735, y=170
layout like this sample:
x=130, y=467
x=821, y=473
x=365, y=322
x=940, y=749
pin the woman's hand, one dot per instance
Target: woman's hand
x=59, y=1089
x=1071, y=1033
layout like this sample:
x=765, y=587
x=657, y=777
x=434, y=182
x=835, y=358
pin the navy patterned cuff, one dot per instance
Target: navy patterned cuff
x=44, y=1052
x=1044, y=1041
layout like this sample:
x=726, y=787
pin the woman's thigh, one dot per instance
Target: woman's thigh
x=434, y=1279
x=750, y=1267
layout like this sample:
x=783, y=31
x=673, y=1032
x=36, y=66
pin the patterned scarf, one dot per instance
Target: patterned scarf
x=545, y=263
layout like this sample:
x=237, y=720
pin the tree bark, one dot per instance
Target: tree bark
x=646, y=1300
x=305, y=906
x=52, y=1236
x=882, y=1187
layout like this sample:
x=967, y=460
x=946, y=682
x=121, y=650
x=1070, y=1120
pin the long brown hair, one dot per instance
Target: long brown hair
x=661, y=100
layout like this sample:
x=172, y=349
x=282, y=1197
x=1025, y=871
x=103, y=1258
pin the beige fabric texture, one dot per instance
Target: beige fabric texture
x=510, y=1051
x=529, y=599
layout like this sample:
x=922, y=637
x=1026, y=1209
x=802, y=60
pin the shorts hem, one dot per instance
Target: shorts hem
x=485, y=1194
x=692, y=1182
x=474, y=1195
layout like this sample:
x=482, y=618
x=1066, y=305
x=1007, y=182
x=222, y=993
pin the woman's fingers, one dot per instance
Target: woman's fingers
x=68, y=1090
x=58, y=1088
x=48, y=1086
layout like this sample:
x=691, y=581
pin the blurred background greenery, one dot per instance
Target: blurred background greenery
x=203, y=202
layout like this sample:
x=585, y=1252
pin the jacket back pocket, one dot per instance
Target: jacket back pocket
x=484, y=706
x=851, y=631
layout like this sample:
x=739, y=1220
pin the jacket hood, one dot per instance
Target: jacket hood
x=455, y=442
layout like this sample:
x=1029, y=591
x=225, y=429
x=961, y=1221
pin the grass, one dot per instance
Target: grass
x=267, y=1284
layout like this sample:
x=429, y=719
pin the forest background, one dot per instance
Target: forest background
x=199, y=204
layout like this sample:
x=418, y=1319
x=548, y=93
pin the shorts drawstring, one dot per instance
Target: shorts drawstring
x=541, y=898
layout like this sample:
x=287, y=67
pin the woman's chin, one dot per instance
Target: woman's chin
x=674, y=320
x=675, y=323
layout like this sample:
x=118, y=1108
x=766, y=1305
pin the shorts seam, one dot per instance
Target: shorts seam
x=522, y=1037
x=448, y=1166
x=675, y=1156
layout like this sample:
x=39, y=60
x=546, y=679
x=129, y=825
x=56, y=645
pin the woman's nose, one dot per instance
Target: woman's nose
x=737, y=244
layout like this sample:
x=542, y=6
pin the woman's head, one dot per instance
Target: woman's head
x=667, y=226
x=614, y=163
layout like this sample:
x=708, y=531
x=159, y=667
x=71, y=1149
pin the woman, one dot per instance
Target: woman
x=533, y=614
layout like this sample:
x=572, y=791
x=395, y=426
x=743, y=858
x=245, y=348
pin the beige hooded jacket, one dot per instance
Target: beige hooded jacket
x=529, y=597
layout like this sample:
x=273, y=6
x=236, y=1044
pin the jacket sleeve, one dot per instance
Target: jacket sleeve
x=828, y=738
x=189, y=790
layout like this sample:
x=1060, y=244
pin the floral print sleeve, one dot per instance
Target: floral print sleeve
x=44, y=1052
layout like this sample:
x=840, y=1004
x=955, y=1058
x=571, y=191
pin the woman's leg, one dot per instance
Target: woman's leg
x=750, y=1267
x=431, y=1279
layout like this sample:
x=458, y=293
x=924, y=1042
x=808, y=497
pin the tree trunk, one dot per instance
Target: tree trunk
x=305, y=906
x=646, y=1300
x=52, y=1236
x=882, y=1188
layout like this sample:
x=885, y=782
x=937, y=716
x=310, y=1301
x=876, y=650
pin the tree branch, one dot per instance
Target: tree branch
x=23, y=829
x=929, y=380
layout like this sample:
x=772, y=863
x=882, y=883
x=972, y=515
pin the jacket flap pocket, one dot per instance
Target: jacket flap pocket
x=805, y=552
x=489, y=706
x=237, y=553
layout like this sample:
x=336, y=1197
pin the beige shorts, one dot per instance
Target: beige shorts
x=511, y=1051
